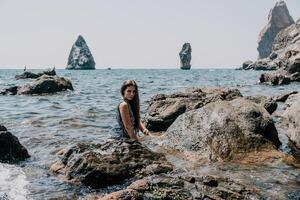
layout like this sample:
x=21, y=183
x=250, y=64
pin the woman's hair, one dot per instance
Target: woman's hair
x=135, y=102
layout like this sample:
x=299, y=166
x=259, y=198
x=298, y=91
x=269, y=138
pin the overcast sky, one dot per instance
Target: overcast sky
x=133, y=33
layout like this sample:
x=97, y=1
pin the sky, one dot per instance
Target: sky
x=133, y=33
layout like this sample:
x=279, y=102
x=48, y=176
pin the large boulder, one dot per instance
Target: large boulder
x=185, y=56
x=164, y=109
x=11, y=150
x=109, y=163
x=27, y=74
x=42, y=85
x=292, y=114
x=278, y=19
x=80, y=56
x=221, y=130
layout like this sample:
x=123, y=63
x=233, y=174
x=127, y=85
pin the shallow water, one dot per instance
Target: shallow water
x=46, y=124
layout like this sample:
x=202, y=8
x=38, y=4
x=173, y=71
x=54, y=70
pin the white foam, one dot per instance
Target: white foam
x=13, y=183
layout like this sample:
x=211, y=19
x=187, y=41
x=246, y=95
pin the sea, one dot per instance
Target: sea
x=45, y=124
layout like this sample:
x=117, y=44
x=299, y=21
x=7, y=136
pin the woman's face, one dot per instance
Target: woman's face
x=129, y=93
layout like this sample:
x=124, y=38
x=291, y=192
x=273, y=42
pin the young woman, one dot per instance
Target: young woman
x=128, y=115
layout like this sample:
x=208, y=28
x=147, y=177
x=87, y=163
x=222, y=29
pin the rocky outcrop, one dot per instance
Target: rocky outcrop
x=267, y=102
x=111, y=162
x=11, y=150
x=221, y=130
x=284, y=97
x=43, y=85
x=185, y=56
x=164, y=109
x=182, y=188
x=292, y=114
x=80, y=56
x=278, y=19
x=31, y=75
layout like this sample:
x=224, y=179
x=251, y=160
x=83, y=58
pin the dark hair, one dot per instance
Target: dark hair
x=135, y=102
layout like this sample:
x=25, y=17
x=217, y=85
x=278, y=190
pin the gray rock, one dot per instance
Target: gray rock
x=221, y=130
x=164, y=109
x=27, y=74
x=292, y=113
x=80, y=56
x=278, y=19
x=284, y=97
x=42, y=85
x=11, y=150
x=110, y=162
x=185, y=56
x=267, y=102
x=183, y=188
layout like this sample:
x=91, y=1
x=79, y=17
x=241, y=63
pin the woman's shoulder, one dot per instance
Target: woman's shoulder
x=123, y=105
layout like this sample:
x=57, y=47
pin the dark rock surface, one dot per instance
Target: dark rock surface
x=164, y=109
x=278, y=19
x=111, y=162
x=80, y=56
x=11, y=150
x=222, y=130
x=284, y=97
x=185, y=56
x=31, y=75
x=182, y=188
x=42, y=85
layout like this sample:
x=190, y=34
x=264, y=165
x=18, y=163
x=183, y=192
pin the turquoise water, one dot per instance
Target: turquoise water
x=46, y=124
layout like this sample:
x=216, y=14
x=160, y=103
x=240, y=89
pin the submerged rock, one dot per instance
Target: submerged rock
x=31, y=75
x=164, y=109
x=11, y=150
x=42, y=85
x=278, y=19
x=185, y=56
x=183, y=188
x=221, y=130
x=111, y=162
x=80, y=56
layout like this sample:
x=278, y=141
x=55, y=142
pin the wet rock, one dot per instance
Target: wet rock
x=221, y=130
x=174, y=187
x=293, y=116
x=111, y=162
x=43, y=85
x=284, y=97
x=278, y=19
x=185, y=56
x=80, y=56
x=267, y=102
x=164, y=109
x=11, y=150
x=31, y=75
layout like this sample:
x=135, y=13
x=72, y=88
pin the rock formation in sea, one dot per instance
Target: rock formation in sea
x=80, y=56
x=185, y=56
x=164, y=109
x=28, y=74
x=292, y=114
x=42, y=85
x=223, y=130
x=278, y=19
x=11, y=150
x=111, y=162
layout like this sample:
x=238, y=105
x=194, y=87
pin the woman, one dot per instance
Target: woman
x=128, y=115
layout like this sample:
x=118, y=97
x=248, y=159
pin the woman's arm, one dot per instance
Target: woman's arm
x=143, y=128
x=124, y=111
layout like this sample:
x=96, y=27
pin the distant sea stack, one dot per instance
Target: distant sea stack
x=80, y=56
x=278, y=19
x=185, y=56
